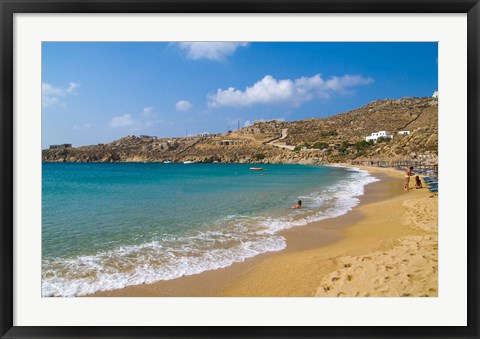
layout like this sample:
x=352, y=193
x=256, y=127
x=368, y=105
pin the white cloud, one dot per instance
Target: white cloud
x=148, y=112
x=72, y=86
x=122, y=121
x=48, y=101
x=216, y=51
x=51, y=94
x=247, y=123
x=292, y=92
x=48, y=89
x=183, y=105
x=136, y=122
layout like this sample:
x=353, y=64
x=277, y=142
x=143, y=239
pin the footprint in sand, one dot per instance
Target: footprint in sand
x=413, y=278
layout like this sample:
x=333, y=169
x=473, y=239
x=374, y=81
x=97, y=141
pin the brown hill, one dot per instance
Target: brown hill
x=339, y=138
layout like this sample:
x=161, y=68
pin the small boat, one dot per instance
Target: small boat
x=167, y=162
x=256, y=168
x=189, y=162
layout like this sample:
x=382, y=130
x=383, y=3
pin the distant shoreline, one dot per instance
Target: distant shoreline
x=409, y=125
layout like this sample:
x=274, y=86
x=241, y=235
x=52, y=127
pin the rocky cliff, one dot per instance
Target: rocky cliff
x=340, y=138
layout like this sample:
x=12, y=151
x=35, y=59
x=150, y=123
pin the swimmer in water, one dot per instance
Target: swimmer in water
x=298, y=205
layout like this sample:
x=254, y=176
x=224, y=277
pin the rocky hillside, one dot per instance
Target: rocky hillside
x=340, y=138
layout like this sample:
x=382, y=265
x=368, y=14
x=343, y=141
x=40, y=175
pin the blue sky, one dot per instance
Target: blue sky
x=98, y=92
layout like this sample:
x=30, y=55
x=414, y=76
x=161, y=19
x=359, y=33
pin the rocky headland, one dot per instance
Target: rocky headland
x=336, y=139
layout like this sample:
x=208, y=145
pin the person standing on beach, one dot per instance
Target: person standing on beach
x=408, y=173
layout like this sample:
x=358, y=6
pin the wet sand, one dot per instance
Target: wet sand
x=385, y=246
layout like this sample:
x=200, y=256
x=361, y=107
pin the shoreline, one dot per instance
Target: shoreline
x=314, y=252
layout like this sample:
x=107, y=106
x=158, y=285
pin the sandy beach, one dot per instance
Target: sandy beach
x=387, y=246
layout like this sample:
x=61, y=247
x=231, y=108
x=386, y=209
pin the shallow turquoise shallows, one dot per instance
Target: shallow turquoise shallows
x=107, y=226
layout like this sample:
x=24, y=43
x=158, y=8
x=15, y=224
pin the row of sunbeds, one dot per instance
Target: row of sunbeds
x=432, y=184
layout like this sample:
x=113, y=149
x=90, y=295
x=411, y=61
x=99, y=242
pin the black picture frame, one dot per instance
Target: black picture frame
x=10, y=7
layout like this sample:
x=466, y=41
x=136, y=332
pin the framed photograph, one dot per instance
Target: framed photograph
x=258, y=169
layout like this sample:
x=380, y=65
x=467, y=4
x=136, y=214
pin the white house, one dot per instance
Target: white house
x=435, y=95
x=404, y=132
x=380, y=134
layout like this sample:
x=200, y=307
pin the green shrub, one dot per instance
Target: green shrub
x=360, y=153
x=259, y=156
x=328, y=133
x=344, y=148
x=320, y=145
x=363, y=144
x=299, y=147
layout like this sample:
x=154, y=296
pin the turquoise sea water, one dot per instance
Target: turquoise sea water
x=107, y=226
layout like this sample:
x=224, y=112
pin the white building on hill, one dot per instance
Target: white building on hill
x=435, y=95
x=404, y=132
x=380, y=134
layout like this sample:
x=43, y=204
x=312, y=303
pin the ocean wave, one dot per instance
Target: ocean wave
x=234, y=239
x=151, y=262
x=332, y=202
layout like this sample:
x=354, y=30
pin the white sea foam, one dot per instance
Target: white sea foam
x=336, y=200
x=236, y=239
x=151, y=262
